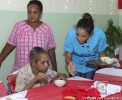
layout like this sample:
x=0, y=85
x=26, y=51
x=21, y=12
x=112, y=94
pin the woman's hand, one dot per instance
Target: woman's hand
x=71, y=68
x=62, y=78
x=37, y=79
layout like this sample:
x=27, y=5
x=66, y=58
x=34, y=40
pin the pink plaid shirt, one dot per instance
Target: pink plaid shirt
x=24, y=38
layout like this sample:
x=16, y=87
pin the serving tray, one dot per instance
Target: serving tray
x=99, y=62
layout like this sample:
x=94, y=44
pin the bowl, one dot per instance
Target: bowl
x=59, y=83
x=103, y=59
x=109, y=61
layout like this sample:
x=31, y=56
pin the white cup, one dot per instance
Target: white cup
x=109, y=61
x=103, y=58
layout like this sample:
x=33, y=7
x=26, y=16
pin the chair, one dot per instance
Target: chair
x=2, y=90
x=11, y=81
x=116, y=53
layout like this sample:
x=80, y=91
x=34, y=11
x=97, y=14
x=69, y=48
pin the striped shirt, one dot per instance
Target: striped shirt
x=24, y=38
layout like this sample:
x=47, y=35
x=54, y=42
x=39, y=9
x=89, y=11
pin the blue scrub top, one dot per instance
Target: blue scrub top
x=84, y=52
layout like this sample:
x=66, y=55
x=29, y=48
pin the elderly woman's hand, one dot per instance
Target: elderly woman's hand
x=71, y=69
x=40, y=77
x=62, y=78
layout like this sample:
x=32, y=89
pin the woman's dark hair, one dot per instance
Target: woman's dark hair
x=85, y=24
x=36, y=2
x=88, y=16
x=36, y=52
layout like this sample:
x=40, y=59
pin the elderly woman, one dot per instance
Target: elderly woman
x=36, y=73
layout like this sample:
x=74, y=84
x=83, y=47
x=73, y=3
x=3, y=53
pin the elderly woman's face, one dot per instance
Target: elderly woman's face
x=42, y=64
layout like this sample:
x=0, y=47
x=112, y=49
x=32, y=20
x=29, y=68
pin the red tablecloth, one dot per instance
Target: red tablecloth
x=117, y=80
x=51, y=92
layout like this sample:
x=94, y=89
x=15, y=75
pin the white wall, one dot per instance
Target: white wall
x=120, y=18
x=66, y=6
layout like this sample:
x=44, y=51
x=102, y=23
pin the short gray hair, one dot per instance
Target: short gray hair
x=35, y=53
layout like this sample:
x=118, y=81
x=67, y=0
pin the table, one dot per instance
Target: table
x=111, y=75
x=23, y=93
x=51, y=92
x=16, y=96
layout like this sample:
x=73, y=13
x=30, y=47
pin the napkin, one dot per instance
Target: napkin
x=16, y=96
x=117, y=65
x=16, y=72
x=105, y=88
x=14, y=99
x=79, y=78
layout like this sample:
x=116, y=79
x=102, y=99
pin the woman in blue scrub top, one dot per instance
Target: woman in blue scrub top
x=84, y=43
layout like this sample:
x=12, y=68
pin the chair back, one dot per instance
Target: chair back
x=2, y=90
x=116, y=53
x=11, y=81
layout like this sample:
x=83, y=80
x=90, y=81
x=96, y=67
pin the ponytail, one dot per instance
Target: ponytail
x=88, y=16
